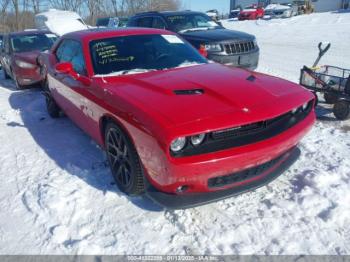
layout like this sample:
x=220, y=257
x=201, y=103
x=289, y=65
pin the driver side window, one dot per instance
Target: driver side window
x=158, y=23
x=71, y=51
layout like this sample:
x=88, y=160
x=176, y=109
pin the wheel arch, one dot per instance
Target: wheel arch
x=107, y=118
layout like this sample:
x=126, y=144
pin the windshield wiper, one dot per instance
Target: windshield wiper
x=136, y=70
x=127, y=72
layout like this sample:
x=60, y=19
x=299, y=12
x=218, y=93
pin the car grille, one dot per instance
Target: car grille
x=239, y=48
x=244, y=175
x=246, y=134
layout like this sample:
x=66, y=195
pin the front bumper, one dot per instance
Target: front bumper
x=26, y=77
x=183, y=201
x=245, y=60
x=196, y=172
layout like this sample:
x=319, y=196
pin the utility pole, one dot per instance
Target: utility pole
x=232, y=5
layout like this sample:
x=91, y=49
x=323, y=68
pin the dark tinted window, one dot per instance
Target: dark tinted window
x=186, y=22
x=71, y=51
x=123, y=22
x=28, y=43
x=102, y=22
x=158, y=23
x=119, y=55
x=144, y=22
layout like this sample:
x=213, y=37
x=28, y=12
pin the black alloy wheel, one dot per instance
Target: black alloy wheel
x=124, y=161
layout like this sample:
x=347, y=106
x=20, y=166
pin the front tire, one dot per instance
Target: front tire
x=6, y=75
x=124, y=161
x=18, y=85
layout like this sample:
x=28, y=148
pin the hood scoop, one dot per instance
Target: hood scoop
x=251, y=78
x=183, y=92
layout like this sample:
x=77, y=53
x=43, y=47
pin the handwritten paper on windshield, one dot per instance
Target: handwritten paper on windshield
x=109, y=54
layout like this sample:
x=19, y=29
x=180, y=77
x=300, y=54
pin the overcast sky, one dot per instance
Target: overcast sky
x=223, y=6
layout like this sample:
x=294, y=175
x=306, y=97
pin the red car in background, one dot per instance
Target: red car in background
x=253, y=12
x=19, y=55
x=174, y=126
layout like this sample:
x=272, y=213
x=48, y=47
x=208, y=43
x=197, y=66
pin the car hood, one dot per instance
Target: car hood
x=277, y=7
x=30, y=57
x=217, y=35
x=242, y=95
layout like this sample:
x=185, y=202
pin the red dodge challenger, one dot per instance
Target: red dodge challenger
x=174, y=126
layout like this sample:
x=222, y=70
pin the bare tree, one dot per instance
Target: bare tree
x=162, y=5
x=36, y=6
x=3, y=5
x=95, y=8
x=71, y=5
x=15, y=4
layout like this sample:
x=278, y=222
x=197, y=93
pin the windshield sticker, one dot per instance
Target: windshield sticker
x=109, y=53
x=51, y=35
x=174, y=18
x=172, y=39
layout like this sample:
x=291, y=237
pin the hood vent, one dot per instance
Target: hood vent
x=251, y=78
x=189, y=92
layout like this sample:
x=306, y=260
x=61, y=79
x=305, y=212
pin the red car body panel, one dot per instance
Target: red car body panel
x=251, y=14
x=26, y=76
x=145, y=106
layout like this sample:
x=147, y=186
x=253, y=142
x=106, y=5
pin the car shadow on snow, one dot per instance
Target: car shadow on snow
x=66, y=144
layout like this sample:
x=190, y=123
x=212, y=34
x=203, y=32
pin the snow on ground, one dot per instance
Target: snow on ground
x=57, y=195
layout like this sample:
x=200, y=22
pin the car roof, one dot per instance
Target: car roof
x=100, y=33
x=169, y=13
x=30, y=32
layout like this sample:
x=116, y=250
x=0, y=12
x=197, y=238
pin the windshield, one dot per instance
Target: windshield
x=141, y=53
x=28, y=43
x=190, y=22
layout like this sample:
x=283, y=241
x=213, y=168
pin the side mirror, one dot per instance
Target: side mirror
x=67, y=68
x=64, y=68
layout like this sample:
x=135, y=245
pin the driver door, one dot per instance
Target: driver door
x=71, y=94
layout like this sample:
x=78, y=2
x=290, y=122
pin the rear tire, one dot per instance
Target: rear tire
x=124, y=161
x=51, y=106
x=330, y=98
x=341, y=110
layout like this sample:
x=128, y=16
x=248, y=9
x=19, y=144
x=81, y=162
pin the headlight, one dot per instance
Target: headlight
x=178, y=144
x=287, y=13
x=305, y=106
x=24, y=64
x=255, y=43
x=213, y=47
x=197, y=139
x=294, y=111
